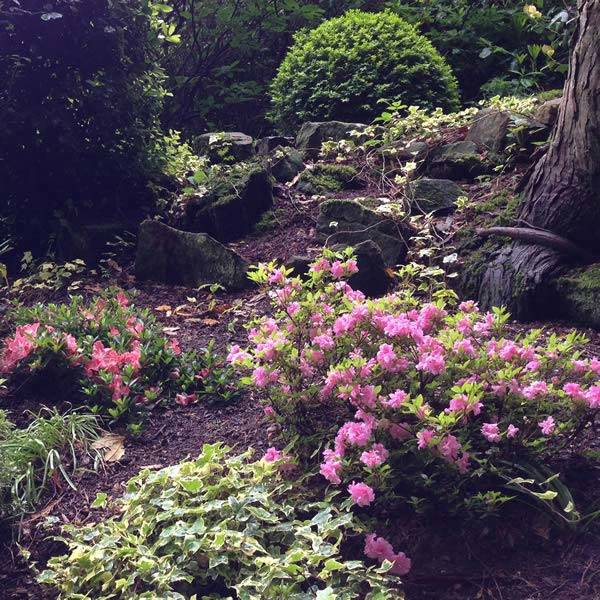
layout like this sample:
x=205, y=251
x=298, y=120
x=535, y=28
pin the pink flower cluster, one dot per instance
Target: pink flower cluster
x=18, y=347
x=417, y=377
x=378, y=548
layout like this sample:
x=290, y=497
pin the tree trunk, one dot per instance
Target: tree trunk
x=563, y=193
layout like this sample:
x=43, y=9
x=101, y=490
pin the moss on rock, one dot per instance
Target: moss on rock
x=328, y=178
x=578, y=292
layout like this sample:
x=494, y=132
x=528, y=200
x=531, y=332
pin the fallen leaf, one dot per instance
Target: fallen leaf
x=170, y=330
x=210, y=322
x=113, y=445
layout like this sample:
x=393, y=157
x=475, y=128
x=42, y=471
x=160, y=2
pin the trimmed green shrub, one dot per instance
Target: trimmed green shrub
x=341, y=69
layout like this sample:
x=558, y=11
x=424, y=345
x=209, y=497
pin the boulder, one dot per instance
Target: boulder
x=458, y=160
x=547, y=113
x=312, y=135
x=225, y=146
x=324, y=178
x=175, y=257
x=489, y=129
x=349, y=223
x=430, y=195
x=299, y=264
x=285, y=163
x=266, y=145
x=413, y=151
x=372, y=278
x=232, y=205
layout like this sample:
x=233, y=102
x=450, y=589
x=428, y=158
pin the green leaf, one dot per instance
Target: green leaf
x=100, y=501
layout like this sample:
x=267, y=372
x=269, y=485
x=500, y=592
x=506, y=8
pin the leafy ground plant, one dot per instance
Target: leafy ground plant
x=217, y=527
x=45, y=451
x=418, y=401
x=115, y=353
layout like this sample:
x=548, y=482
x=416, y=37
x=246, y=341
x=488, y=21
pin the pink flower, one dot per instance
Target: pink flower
x=122, y=299
x=260, y=376
x=71, y=343
x=574, y=390
x=269, y=411
x=491, y=432
x=469, y=306
x=512, y=431
x=535, y=389
x=236, y=355
x=330, y=470
x=464, y=347
x=433, y=363
x=272, y=455
x=361, y=493
x=173, y=345
x=276, y=277
x=376, y=456
x=463, y=463
x=593, y=397
x=321, y=265
x=547, y=425
x=449, y=448
x=337, y=269
x=424, y=438
x=396, y=399
x=378, y=548
x=185, y=399
x=402, y=564
x=325, y=342
x=386, y=356
x=462, y=403
x=357, y=434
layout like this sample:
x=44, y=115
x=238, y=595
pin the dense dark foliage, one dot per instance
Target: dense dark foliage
x=79, y=104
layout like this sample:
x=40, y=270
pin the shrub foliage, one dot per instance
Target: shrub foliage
x=341, y=69
x=418, y=402
x=205, y=528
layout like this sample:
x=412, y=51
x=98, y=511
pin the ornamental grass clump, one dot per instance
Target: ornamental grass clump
x=417, y=400
x=114, y=352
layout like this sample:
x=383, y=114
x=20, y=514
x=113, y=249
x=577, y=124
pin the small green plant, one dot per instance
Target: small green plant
x=344, y=67
x=44, y=452
x=48, y=275
x=217, y=527
x=115, y=352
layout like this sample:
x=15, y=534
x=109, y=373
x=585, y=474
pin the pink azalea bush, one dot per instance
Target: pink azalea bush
x=405, y=398
x=118, y=352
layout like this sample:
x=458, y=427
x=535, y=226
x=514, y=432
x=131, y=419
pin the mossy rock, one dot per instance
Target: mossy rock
x=232, y=206
x=578, y=295
x=459, y=160
x=225, y=146
x=431, y=195
x=349, y=223
x=311, y=135
x=328, y=178
x=285, y=163
x=168, y=255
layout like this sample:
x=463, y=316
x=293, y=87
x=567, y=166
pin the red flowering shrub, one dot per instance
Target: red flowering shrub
x=412, y=401
x=125, y=363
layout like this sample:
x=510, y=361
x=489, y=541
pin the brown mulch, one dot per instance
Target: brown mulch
x=449, y=562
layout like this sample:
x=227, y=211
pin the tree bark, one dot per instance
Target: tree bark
x=562, y=195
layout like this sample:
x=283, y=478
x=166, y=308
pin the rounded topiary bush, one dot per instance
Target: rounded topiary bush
x=343, y=67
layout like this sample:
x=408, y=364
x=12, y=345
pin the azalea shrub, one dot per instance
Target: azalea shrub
x=220, y=526
x=413, y=398
x=116, y=353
